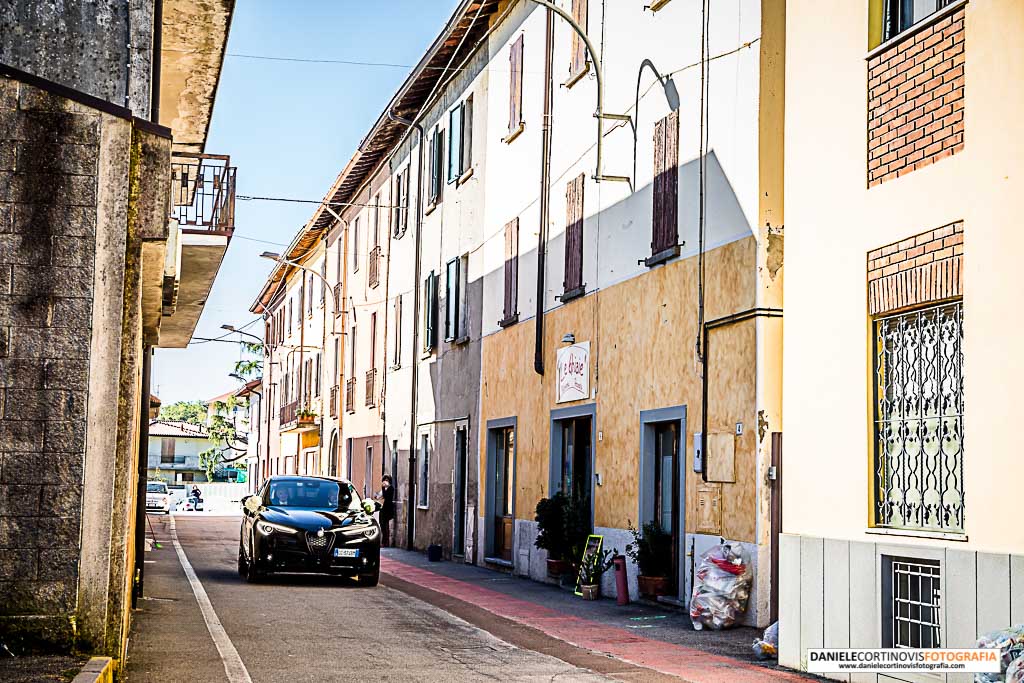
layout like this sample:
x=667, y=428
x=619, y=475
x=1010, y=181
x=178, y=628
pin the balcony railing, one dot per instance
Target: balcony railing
x=289, y=412
x=371, y=387
x=203, y=192
x=337, y=297
x=334, y=401
x=373, y=277
x=350, y=395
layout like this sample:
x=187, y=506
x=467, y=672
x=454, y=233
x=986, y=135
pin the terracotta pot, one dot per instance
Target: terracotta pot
x=653, y=585
x=591, y=592
x=558, y=567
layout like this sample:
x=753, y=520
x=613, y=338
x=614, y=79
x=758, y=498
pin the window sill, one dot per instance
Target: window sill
x=464, y=177
x=662, y=256
x=422, y=507
x=917, y=533
x=515, y=133
x=431, y=207
x=571, y=294
x=916, y=28
x=575, y=78
x=509, y=321
x=459, y=341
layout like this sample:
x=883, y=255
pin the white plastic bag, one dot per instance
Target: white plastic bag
x=1011, y=642
x=721, y=587
x=767, y=647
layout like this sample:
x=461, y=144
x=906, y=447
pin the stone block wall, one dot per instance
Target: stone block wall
x=49, y=156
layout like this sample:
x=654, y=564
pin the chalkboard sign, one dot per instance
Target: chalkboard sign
x=591, y=556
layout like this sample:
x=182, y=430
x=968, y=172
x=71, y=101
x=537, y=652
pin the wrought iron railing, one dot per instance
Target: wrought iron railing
x=350, y=395
x=373, y=276
x=371, y=387
x=203, y=191
x=334, y=401
x=919, y=409
x=289, y=412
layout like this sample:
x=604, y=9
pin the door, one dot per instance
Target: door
x=666, y=488
x=576, y=458
x=461, y=467
x=775, y=476
x=503, y=493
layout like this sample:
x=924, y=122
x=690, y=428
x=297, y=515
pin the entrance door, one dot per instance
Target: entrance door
x=576, y=459
x=666, y=487
x=503, y=492
x=461, y=467
x=776, y=484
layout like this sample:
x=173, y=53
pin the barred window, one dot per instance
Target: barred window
x=912, y=602
x=919, y=408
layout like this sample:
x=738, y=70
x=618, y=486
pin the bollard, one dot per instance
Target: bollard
x=621, y=582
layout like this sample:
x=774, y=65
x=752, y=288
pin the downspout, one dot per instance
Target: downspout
x=140, y=496
x=302, y=368
x=158, y=46
x=410, y=502
x=545, y=191
x=266, y=401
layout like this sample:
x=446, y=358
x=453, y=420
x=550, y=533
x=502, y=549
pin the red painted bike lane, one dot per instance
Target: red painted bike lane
x=687, y=663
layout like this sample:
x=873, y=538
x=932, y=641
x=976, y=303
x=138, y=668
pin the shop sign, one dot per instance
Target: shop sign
x=573, y=373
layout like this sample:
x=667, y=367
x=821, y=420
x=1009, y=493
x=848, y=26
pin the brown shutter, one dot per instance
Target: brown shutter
x=515, y=114
x=665, y=223
x=574, y=234
x=579, y=48
x=511, y=269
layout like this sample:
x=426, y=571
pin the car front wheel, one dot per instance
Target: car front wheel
x=370, y=578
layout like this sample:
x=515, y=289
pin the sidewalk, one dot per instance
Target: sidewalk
x=640, y=634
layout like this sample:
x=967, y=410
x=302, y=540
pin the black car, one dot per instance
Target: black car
x=309, y=525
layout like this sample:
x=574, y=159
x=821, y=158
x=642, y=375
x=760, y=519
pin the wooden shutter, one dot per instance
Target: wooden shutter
x=511, y=269
x=665, y=228
x=574, y=234
x=167, y=449
x=397, y=358
x=404, y=211
x=579, y=48
x=373, y=340
x=466, y=159
x=515, y=112
x=430, y=311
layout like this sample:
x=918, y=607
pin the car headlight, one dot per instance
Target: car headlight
x=269, y=528
x=371, y=532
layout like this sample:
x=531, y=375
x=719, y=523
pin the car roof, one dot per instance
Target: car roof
x=306, y=477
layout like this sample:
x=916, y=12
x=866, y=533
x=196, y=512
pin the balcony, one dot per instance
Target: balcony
x=334, y=401
x=296, y=417
x=203, y=192
x=373, y=276
x=371, y=387
x=350, y=395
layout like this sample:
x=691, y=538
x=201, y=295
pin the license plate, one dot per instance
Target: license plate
x=346, y=552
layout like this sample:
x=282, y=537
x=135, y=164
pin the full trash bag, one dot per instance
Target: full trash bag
x=767, y=647
x=1015, y=672
x=721, y=587
x=1010, y=642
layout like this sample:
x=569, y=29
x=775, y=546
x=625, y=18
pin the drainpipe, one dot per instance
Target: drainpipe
x=545, y=191
x=140, y=495
x=158, y=46
x=410, y=502
x=266, y=402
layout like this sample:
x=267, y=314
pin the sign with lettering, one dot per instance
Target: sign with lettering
x=573, y=373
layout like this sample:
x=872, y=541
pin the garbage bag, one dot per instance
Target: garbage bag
x=767, y=647
x=1011, y=642
x=1015, y=672
x=721, y=587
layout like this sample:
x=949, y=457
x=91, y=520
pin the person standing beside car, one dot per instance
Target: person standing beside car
x=386, y=498
x=196, y=496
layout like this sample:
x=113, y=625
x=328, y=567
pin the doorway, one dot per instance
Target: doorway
x=666, y=488
x=571, y=462
x=499, y=499
x=663, y=485
x=775, y=479
x=461, y=477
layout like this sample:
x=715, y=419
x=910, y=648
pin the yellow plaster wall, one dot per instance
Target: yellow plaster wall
x=642, y=335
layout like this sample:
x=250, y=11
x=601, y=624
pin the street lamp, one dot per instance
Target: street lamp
x=327, y=285
x=232, y=328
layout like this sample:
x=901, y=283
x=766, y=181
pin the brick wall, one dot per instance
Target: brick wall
x=916, y=100
x=918, y=270
x=49, y=150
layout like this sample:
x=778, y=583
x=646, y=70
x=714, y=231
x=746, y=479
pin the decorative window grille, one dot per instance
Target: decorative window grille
x=919, y=408
x=913, y=606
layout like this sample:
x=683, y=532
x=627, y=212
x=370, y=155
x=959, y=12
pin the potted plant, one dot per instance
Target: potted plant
x=591, y=573
x=550, y=518
x=651, y=549
x=306, y=417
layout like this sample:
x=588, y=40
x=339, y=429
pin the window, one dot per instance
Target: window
x=355, y=245
x=460, y=140
x=373, y=339
x=579, y=49
x=166, y=450
x=455, y=327
x=573, y=284
x=337, y=361
x=396, y=359
x=400, y=215
x=309, y=296
x=911, y=603
x=368, y=481
x=899, y=15
x=919, y=409
x=515, y=89
x=394, y=465
x=317, y=376
x=323, y=280
x=511, y=312
x=436, y=166
x=352, y=353
x=665, y=224
x=430, y=312
x=290, y=317
x=375, y=222
x=423, y=497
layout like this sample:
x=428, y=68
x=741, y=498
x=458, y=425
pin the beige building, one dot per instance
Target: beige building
x=902, y=190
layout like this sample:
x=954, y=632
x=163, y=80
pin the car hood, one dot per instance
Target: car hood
x=312, y=520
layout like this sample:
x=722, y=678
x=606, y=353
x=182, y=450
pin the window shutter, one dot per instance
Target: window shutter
x=466, y=160
x=454, y=143
x=579, y=48
x=511, y=268
x=397, y=359
x=515, y=84
x=665, y=228
x=574, y=234
x=430, y=312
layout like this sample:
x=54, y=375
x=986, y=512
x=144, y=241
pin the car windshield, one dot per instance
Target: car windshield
x=313, y=493
x=156, y=487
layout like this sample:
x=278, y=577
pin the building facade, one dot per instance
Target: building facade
x=173, y=451
x=901, y=200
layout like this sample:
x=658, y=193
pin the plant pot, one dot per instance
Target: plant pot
x=434, y=552
x=652, y=586
x=558, y=567
x=591, y=592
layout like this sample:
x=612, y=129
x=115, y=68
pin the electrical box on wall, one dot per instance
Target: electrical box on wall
x=698, y=452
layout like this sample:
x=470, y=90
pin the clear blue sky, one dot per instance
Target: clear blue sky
x=290, y=127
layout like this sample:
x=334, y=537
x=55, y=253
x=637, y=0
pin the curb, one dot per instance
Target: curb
x=96, y=670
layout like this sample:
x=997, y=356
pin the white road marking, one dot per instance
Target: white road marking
x=233, y=666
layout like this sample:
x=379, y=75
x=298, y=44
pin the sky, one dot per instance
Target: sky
x=290, y=127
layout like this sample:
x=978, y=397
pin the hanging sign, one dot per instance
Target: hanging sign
x=573, y=373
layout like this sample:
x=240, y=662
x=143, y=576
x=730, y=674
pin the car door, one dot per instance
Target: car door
x=249, y=519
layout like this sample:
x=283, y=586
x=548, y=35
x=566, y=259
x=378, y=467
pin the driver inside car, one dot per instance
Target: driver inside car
x=280, y=496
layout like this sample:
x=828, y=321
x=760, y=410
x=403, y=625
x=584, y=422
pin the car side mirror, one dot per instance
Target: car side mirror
x=368, y=506
x=252, y=503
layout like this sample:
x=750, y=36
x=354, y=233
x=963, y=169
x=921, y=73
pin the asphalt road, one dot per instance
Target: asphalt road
x=298, y=628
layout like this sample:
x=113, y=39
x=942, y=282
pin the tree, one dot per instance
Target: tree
x=222, y=433
x=193, y=412
x=247, y=367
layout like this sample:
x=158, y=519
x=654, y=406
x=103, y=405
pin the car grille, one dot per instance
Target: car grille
x=319, y=545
